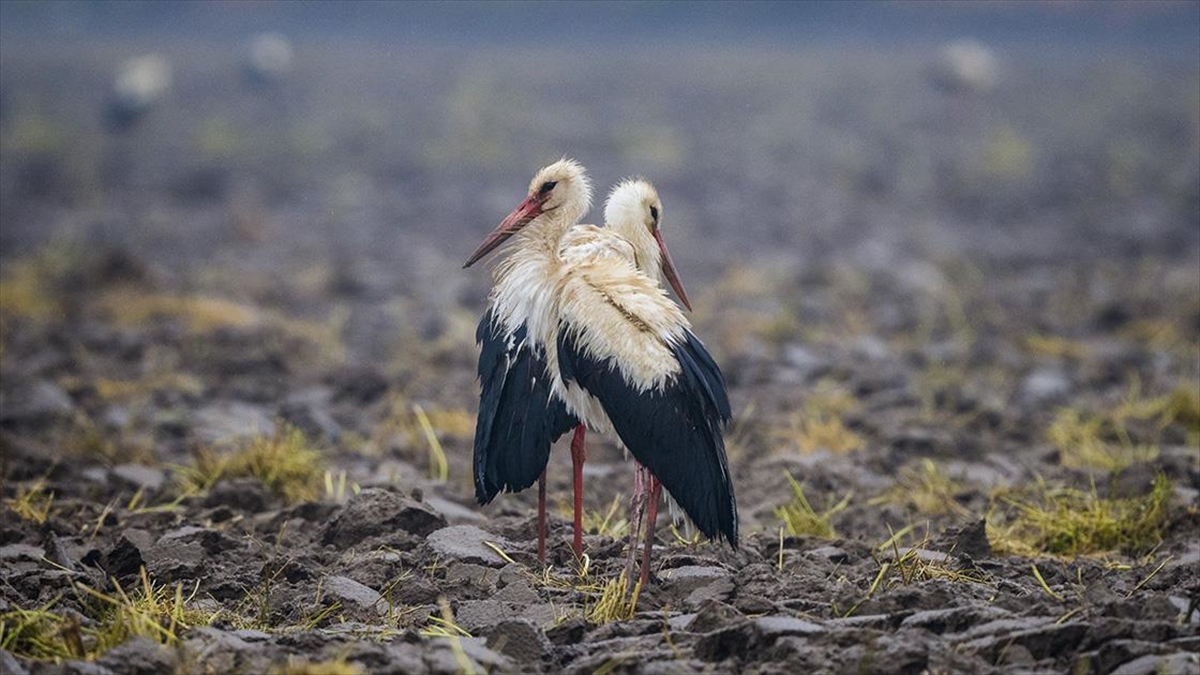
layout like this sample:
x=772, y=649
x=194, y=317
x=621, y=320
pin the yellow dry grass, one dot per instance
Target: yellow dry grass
x=32, y=503
x=926, y=489
x=800, y=518
x=1068, y=522
x=284, y=462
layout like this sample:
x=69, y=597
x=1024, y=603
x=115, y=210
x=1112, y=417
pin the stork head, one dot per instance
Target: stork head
x=561, y=189
x=634, y=211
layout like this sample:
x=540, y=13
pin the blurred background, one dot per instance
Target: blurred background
x=219, y=214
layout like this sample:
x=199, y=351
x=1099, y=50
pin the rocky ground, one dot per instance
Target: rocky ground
x=237, y=395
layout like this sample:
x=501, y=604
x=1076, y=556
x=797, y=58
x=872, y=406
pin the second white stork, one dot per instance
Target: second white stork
x=627, y=361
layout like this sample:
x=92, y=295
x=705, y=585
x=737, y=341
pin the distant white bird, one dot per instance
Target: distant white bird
x=269, y=58
x=965, y=66
x=139, y=84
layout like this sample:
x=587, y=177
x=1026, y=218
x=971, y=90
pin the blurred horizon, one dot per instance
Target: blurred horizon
x=790, y=137
x=1150, y=27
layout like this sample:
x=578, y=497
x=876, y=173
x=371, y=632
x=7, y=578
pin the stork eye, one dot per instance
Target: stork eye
x=654, y=214
x=547, y=187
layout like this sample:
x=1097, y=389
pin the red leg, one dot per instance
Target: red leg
x=542, y=518
x=637, y=509
x=577, y=459
x=651, y=517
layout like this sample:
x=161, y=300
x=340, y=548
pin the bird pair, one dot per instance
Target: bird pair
x=579, y=334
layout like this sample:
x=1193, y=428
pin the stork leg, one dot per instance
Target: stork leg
x=542, y=518
x=577, y=459
x=637, y=508
x=651, y=517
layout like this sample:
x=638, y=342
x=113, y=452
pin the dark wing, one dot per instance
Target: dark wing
x=518, y=418
x=673, y=430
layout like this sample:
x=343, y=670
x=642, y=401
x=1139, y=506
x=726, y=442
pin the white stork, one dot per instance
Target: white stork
x=627, y=361
x=555, y=271
x=519, y=419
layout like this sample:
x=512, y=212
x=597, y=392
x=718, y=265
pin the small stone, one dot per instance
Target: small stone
x=475, y=615
x=772, y=627
x=415, y=592
x=361, y=600
x=951, y=619
x=871, y=348
x=926, y=556
x=1183, y=605
x=140, y=476
x=517, y=592
x=454, y=512
x=568, y=632
x=732, y=641
x=115, y=418
x=1017, y=655
x=466, y=543
x=21, y=552
x=489, y=661
x=804, y=360
x=10, y=665
x=1045, y=384
x=712, y=616
x=125, y=559
x=1152, y=664
x=216, y=650
x=720, y=589
x=466, y=573
x=832, y=554
x=140, y=656
x=374, y=513
x=691, y=577
x=869, y=621
x=41, y=403
x=520, y=639
x=680, y=622
x=753, y=604
x=973, y=541
x=80, y=668
x=240, y=494
x=308, y=411
x=232, y=420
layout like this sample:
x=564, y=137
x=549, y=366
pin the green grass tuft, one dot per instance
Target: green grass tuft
x=925, y=489
x=1069, y=522
x=285, y=463
x=800, y=518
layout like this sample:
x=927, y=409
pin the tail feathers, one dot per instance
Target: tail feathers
x=518, y=418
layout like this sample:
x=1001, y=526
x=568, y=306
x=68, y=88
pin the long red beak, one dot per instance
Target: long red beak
x=520, y=217
x=668, y=268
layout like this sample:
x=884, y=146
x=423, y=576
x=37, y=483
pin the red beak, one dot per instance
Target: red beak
x=668, y=268
x=520, y=217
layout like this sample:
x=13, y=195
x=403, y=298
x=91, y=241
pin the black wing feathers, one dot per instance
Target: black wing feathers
x=675, y=430
x=518, y=418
